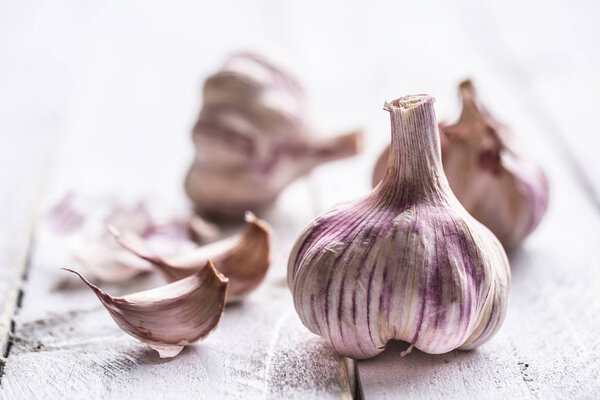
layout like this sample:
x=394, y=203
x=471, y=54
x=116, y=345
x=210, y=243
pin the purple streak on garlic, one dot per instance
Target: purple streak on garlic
x=170, y=317
x=243, y=258
x=252, y=139
x=498, y=185
x=407, y=262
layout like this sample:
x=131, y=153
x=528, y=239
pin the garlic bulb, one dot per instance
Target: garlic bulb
x=407, y=262
x=501, y=188
x=252, y=139
x=243, y=258
x=170, y=317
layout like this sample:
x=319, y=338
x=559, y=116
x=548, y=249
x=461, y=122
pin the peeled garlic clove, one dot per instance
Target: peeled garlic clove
x=170, y=317
x=500, y=187
x=243, y=258
x=407, y=262
x=252, y=139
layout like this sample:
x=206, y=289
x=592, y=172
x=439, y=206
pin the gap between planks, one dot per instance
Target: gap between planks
x=19, y=208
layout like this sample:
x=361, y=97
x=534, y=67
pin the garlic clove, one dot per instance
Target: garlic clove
x=201, y=231
x=170, y=317
x=499, y=186
x=243, y=258
x=252, y=139
x=405, y=263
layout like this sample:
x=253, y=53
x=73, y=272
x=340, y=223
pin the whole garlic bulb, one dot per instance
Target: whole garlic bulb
x=407, y=262
x=252, y=139
x=499, y=186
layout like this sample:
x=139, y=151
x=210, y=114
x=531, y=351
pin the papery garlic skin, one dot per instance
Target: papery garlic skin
x=243, y=258
x=499, y=186
x=170, y=317
x=105, y=260
x=252, y=139
x=406, y=263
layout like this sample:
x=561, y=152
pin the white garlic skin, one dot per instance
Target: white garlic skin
x=406, y=263
x=170, y=317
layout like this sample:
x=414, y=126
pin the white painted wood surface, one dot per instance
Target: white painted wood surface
x=115, y=87
x=66, y=345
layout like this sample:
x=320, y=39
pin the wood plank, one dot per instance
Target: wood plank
x=18, y=205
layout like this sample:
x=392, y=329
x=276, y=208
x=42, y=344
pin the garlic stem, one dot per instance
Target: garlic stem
x=414, y=164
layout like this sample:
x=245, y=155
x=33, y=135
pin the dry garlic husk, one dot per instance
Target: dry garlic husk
x=252, y=139
x=105, y=260
x=407, y=262
x=243, y=258
x=101, y=256
x=499, y=186
x=170, y=317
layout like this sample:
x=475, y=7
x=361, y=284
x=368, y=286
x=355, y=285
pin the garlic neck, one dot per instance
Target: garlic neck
x=414, y=170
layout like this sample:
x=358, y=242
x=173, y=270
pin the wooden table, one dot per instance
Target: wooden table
x=99, y=98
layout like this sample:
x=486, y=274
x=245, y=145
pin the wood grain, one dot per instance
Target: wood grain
x=19, y=203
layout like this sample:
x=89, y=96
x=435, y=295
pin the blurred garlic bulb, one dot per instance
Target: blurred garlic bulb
x=501, y=188
x=243, y=258
x=170, y=317
x=407, y=262
x=252, y=139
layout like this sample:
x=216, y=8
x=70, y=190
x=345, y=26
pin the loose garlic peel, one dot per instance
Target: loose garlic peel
x=500, y=187
x=103, y=259
x=252, y=139
x=407, y=262
x=243, y=258
x=170, y=317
